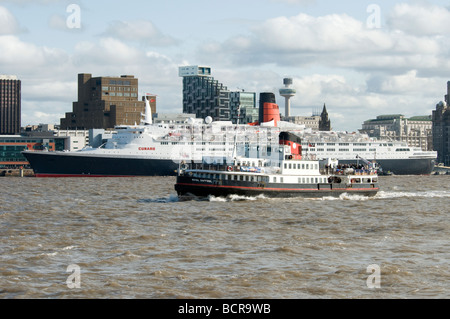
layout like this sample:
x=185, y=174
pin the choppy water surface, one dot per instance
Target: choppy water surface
x=132, y=238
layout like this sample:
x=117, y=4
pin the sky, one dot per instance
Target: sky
x=360, y=58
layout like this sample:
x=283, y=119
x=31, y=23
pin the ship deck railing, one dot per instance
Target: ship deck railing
x=270, y=169
x=224, y=167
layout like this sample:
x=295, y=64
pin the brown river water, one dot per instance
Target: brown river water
x=133, y=238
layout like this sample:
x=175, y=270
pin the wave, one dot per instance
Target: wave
x=426, y=194
x=235, y=198
x=347, y=197
x=170, y=199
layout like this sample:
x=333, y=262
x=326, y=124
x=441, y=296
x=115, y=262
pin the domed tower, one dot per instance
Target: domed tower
x=287, y=92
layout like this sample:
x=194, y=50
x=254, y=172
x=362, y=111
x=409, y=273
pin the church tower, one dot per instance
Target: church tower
x=324, y=122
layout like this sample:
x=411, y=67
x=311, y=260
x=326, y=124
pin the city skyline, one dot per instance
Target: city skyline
x=362, y=59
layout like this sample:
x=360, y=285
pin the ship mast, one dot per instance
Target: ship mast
x=235, y=136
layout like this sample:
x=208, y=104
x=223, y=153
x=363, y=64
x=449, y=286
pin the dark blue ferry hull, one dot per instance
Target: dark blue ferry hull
x=53, y=164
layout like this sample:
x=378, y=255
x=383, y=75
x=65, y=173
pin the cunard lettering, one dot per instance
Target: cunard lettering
x=147, y=148
x=187, y=309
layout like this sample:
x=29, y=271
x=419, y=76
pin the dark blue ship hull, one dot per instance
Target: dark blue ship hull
x=54, y=164
x=60, y=164
x=411, y=166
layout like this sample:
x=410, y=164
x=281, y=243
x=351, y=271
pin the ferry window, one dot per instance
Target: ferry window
x=290, y=166
x=247, y=178
x=317, y=180
x=281, y=180
x=242, y=178
x=307, y=166
x=303, y=180
x=274, y=179
x=303, y=166
x=299, y=180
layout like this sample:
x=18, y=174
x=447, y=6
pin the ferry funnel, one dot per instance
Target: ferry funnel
x=268, y=109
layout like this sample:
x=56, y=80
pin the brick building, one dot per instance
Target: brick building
x=104, y=102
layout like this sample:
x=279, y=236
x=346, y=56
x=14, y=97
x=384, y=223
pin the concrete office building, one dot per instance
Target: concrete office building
x=10, y=105
x=315, y=122
x=203, y=95
x=311, y=122
x=104, y=102
x=415, y=131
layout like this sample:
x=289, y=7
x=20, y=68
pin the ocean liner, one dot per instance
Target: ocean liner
x=156, y=149
x=151, y=149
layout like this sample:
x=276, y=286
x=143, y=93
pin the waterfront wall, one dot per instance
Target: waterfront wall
x=16, y=172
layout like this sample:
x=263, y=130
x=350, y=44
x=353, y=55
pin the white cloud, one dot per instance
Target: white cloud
x=26, y=58
x=26, y=2
x=361, y=72
x=8, y=23
x=139, y=31
x=408, y=83
x=420, y=20
x=333, y=41
x=300, y=2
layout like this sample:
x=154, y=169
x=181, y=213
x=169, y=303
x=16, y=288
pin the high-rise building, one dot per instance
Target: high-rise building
x=244, y=104
x=441, y=129
x=203, y=95
x=10, y=105
x=104, y=102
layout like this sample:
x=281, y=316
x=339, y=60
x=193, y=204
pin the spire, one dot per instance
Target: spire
x=324, y=122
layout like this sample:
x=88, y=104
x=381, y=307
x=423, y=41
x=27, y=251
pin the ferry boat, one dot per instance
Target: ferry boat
x=156, y=149
x=286, y=174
